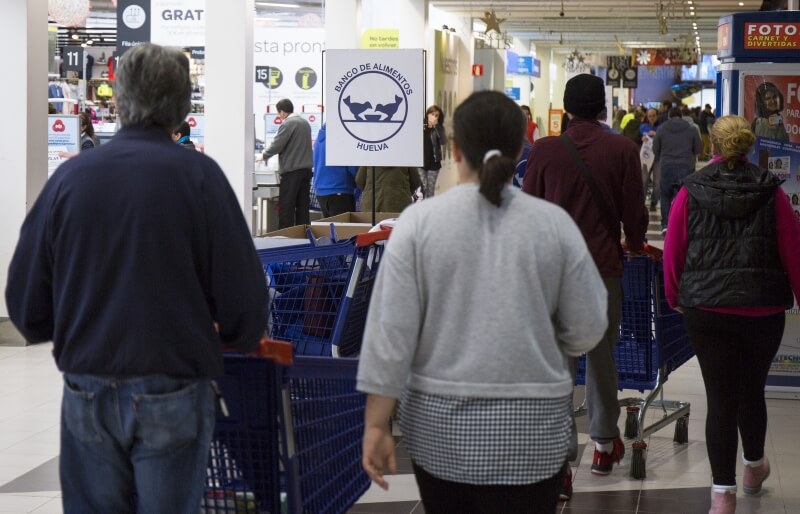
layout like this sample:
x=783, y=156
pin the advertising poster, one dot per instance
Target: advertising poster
x=197, y=126
x=63, y=136
x=375, y=107
x=178, y=23
x=288, y=64
x=770, y=103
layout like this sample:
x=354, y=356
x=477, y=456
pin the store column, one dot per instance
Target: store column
x=229, y=129
x=23, y=133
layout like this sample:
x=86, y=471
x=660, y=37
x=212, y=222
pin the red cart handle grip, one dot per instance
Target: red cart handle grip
x=369, y=238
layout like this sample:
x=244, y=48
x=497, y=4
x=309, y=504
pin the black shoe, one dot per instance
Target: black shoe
x=652, y=207
x=566, y=487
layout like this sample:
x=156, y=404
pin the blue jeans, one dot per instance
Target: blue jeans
x=146, y=435
x=672, y=178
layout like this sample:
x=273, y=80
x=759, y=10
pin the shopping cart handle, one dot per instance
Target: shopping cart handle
x=369, y=238
x=651, y=251
x=279, y=351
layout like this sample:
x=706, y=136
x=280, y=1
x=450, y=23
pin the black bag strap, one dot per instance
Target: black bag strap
x=598, y=198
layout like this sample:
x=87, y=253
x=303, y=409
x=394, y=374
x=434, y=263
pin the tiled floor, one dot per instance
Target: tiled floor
x=678, y=476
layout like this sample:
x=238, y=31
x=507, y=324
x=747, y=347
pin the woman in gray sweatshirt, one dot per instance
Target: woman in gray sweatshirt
x=482, y=295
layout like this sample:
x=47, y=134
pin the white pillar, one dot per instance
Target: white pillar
x=343, y=24
x=230, y=132
x=23, y=133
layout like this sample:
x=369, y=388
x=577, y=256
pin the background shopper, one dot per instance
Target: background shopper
x=129, y=257
x=554, y=175
x=434, y=138
x=182, y=134
x=292, y=145
x=477, y=354
x=731, y=263
x=393, y=187
x=335, y=185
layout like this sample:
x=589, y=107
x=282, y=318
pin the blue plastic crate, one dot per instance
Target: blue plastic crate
x=650, y=334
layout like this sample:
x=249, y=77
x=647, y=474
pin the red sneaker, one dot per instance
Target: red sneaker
x=566, y=487
x=604, y=462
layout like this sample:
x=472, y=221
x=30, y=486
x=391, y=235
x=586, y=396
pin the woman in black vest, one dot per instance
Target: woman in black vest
x=731, y=263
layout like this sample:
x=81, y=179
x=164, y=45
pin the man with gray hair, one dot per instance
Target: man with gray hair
x=137, y=263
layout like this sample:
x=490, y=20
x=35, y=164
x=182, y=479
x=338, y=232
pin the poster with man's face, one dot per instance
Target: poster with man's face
x=771, y=103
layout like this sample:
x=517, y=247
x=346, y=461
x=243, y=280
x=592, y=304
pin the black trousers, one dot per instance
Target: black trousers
x=293, y=198
x=445, y=497
x=332, y=205
x=735, y=354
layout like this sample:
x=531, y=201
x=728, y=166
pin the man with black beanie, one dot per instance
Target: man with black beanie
x=612, y=163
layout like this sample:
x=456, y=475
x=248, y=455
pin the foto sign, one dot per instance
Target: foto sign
x=376, y=108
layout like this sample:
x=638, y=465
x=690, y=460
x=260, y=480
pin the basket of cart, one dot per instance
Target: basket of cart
x=652, y=344
x=289, y=436
x=319, y=294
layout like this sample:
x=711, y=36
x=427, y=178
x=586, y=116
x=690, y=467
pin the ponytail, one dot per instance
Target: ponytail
x=493, y=174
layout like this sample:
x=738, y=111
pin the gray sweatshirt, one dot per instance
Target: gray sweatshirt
x=677, y=143
x=472, y=300
x=292, y=145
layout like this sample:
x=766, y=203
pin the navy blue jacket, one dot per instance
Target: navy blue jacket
x=130, y=255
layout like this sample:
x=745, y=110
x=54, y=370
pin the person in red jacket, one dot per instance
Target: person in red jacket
x=553, y=174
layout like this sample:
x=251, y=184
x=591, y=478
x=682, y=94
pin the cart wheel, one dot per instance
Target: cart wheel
x=632, y=422
x=682, y=430
x=638, y=460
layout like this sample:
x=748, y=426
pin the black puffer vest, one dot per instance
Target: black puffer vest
x=732, y=256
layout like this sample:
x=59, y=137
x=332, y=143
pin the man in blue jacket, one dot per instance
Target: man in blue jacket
x=136, y=261
x=335, y=185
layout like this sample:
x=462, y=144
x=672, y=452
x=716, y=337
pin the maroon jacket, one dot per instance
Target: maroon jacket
x=613, y=162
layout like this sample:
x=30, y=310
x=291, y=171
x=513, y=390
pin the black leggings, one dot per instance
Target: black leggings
x=735, y=354
x=445, y=497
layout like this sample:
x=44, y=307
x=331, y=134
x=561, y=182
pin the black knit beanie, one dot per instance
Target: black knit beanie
x=584, y=96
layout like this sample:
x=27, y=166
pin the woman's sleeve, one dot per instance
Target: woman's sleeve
x=675, y=244
x=788, y=231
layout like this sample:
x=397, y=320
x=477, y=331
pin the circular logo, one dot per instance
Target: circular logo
x=305, y=78
x=630, y=74
x=613, y=74
x=133, y=16
x=373, y=107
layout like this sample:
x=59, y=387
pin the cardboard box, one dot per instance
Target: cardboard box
x=356, y=218
x=317, y=230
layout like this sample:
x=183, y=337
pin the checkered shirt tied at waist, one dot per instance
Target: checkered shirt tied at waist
x=486, y=441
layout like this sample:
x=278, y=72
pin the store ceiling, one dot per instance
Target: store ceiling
x=609, y=27
x=604, y=26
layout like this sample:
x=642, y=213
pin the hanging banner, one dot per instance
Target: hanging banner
x=63, y=137
x=664, y=56
x=375, y=107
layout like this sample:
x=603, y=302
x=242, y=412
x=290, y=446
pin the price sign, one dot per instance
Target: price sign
x=72, y=58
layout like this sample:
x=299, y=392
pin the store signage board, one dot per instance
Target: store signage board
x=375, y=107
x=63, y=136
x=380, y=39
x=197, y=128
x=513, y=93
x=72, y=58
x=133, y=24
x=178, y=23
x=760, y=36
x=288, y=64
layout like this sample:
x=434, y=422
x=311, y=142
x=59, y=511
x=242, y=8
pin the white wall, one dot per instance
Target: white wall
x=23, y=135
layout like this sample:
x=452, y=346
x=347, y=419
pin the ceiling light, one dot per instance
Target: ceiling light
x=75, y=36
x=276, y=4
x=741, y=3
x=691, y=8
x=83, y=45
x=692, y=13
x=89, y=42
x=689, y=2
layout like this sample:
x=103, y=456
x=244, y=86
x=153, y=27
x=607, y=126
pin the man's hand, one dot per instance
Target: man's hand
x=378, y=454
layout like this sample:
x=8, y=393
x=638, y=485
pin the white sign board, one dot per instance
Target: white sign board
x=375, y=107
x=63, y=136
x=178, y=23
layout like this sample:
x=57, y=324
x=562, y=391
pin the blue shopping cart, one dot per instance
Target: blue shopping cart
x=319, y=295
x=292, y=438
x=652, y=344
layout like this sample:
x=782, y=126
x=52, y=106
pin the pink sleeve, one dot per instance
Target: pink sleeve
x=788, y=228
x=675, y=244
